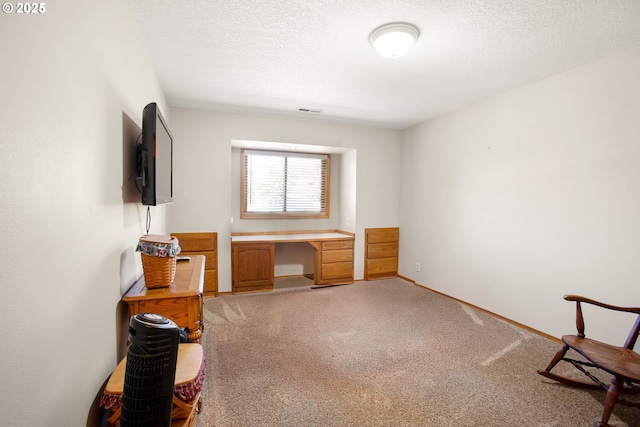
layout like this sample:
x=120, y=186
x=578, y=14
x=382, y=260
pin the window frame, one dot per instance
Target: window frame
x=283, y=215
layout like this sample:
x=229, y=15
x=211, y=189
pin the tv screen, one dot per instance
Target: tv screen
x=156, y=158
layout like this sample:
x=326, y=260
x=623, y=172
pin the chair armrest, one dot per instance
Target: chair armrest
x=580, y=299
x=633, y=335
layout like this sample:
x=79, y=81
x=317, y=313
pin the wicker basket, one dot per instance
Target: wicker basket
x=158, y=260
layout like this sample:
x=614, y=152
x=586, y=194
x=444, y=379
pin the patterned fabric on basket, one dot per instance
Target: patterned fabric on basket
x=158, y=249
x=185, y=392
x=110, y=401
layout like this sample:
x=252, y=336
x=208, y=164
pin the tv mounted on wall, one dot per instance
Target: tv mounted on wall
x=155, y=167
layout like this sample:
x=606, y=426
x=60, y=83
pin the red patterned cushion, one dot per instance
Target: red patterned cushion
x=185, y=392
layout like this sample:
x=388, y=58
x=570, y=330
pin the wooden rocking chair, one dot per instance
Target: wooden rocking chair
x=621, y=362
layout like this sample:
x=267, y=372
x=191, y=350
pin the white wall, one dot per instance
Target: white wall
x=71, y=79
x=347, y=209
x=518, y=200
x=203, y=174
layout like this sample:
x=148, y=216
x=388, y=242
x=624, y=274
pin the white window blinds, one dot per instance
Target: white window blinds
x=293, y=184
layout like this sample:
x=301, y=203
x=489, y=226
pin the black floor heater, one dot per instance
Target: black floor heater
x=150, y=372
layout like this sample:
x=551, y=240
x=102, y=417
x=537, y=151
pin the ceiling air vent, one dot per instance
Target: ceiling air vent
x=310, y=110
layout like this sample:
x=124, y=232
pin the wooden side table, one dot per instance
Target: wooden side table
x=180, y=302
x=190, y=371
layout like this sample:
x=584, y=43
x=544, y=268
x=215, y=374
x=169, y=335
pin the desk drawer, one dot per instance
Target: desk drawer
x=382, y=267
x=379, y=235
x=337, y=244
x=197, y=242
x=341, y=255
x=382, y=250
x=337, y=270
x=211, y=258
x=176, y=309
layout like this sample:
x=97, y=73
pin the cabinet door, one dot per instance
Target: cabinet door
x=252, y=267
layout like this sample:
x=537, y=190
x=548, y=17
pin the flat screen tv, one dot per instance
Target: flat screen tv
x=156, y=158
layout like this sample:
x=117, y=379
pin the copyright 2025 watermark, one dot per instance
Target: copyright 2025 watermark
x=24, y=8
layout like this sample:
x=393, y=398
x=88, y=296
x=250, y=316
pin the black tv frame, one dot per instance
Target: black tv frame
x=153, y=164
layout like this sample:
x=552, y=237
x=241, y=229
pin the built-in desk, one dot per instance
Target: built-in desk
x=253, y=257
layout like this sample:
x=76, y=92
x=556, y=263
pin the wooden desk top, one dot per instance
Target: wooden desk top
x=290, y=237
x=188, y=282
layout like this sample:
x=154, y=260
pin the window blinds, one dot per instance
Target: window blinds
x=285, y=182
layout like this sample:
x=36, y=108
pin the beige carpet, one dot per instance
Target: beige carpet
x=380, y=353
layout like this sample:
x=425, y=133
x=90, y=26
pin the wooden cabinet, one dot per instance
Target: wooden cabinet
x=381, y=252
x=252, y=266
x=333, y=262
x=180, y=302
x=206, y=244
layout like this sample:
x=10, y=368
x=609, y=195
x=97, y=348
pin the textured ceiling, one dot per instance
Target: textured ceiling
x=274, y=56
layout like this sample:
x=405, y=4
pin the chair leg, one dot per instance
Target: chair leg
x=610, y=401
x=558, y=357
x=114, y=418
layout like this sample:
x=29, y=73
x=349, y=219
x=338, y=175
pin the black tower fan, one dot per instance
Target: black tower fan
x=150, y=372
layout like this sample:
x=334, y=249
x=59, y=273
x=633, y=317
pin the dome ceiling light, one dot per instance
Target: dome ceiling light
x=394, y=39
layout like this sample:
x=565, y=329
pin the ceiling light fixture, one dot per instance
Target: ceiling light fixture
x=394, y=39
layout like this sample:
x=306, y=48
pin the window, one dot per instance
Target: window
x=277, y=184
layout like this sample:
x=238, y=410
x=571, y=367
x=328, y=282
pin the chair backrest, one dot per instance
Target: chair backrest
x=633, y=335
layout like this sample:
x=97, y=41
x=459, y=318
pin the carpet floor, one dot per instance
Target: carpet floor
x=380, y=353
